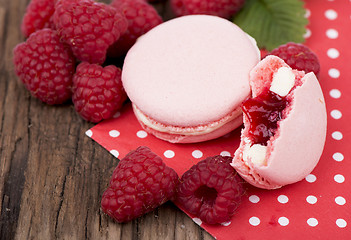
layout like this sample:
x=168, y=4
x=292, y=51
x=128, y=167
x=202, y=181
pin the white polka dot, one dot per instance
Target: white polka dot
x=334, y=73
x=337, y=135
x=332, y=33
x=225, y=153
x=283, y=199
x=341, y=223
x=311, y=178
x=340, y=200
x=339, y=178
x=338, y=157
x=333, y=53
x=226, y=224
x=197, y=154
x=308, y=33
x=254, y=221
x=283, y=221
x=254, y=199
x=169, y=154
x=312, y=222
x=114, y=133
x=335, y=93
x=89, y=133
x=117, y=115
x=311, y=199
x=307, y=13
x=197, y=221
x=330, y=14
x=336, y=114
x=115, y=153
x=141, y=134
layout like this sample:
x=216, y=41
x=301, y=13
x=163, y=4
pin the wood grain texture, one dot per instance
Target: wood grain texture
x=51, y=175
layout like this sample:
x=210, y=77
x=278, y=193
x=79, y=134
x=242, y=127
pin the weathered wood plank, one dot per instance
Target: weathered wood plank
x=51, y=175
x=14, y=119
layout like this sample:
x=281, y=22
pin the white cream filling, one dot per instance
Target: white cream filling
x=256, y=154
x=196, y=130
x=283, y=81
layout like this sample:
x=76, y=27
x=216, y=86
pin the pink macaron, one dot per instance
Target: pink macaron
x=284, y=126
x=186, y=78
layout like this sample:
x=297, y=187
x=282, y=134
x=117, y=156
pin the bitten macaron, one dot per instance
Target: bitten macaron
x=285, y=126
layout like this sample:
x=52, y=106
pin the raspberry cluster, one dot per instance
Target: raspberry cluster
x=61, y=33
x=211, y=189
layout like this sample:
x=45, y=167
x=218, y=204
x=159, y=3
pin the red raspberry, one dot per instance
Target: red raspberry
x=97, y=92
x=89, y=28
x=152, y=1
x=67, y=1
x=298, y=56
x=45, y=66
x=211, y=190
x=38, y=16
x=140, y=183
x=220, y=8
x=141, y=18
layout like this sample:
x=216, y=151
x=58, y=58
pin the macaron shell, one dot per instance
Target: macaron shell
x=190, y=70
x=300, y=142
x=251, y=176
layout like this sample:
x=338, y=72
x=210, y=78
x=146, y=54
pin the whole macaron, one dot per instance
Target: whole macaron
x=187, y=77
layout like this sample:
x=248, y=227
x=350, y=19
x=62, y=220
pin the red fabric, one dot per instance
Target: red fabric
x=310, y=209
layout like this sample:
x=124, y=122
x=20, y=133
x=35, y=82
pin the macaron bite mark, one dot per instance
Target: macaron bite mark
x=285, y=126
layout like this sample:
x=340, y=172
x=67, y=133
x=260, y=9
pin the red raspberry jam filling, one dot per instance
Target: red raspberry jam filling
x=263, y=113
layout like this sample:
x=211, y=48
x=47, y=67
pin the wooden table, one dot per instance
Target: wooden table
x=51, y=175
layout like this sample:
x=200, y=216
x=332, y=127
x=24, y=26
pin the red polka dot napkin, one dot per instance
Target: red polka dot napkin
x=318, y=207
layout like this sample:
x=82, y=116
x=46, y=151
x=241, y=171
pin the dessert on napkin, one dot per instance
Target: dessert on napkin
x=190, y=79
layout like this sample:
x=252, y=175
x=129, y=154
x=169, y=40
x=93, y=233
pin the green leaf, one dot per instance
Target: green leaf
x=273, y=22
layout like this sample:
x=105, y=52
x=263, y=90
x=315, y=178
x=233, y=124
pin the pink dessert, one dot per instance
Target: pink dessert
x=187, y=78
x=285, y=126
